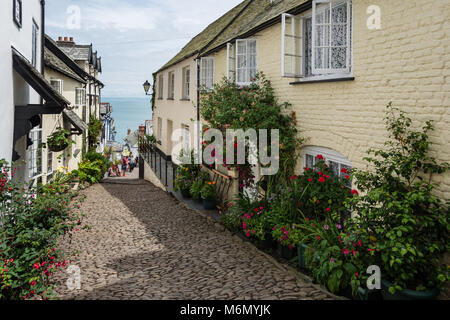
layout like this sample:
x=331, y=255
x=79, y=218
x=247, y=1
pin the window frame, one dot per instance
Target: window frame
x=349, y=38
x=305, y=77
x=329, y=155
x=34, y=43
x=171, y=86
x=292, y=56
x=33, y=170
x=231, y=62
x=186, y=83
x=18, y=19
x=61, y=83
x=83, y=97
x=204, y=77
x=161, y=87
x=247, y=56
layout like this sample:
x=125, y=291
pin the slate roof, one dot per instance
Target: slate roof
x=76, y=52
x=53, y=62
x=240, y=21
x=258, y=13
x=207, y=35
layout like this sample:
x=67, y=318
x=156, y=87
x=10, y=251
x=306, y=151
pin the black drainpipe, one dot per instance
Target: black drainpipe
x=42, y=40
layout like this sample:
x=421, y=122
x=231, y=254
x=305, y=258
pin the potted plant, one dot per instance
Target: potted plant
x=183, y=181
x=399, y=215
x=59, y=140
x=209, y=195
x=288, y=237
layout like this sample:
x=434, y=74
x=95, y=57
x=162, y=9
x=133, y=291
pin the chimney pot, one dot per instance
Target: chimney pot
x=66, y=39
x=60, y=38
x=71, y=39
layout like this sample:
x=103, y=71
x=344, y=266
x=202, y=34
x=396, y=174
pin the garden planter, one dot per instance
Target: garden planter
x=287, y=253
x=267, y=243
x=366, y=294
x=209, y=204
x=58, y=148
x=407, y=294
x=185, y=193
x=301, y=255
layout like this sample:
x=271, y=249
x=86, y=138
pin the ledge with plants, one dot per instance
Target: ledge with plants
x=397, y=222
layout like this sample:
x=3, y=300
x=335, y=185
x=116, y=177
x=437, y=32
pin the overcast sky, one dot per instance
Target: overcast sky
x=133, y=37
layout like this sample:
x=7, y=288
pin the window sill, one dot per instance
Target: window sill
x=170, y=99
x=160, y=98
x=185, y=99
x=324, y=79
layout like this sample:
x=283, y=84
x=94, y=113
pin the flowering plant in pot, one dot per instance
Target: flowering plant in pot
x=197, y=185
x=209, y=195
x=59, y=140
x=288, y=237
x=400, y=214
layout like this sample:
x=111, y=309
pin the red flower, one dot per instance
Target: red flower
x=328, y=209
x=310, y=179
x=321, y=179
x=320, y=157
x=318, y=237
x=347, y=177
x=344, y=170
x=306, y=169
x=354, y=192
x=320, y=173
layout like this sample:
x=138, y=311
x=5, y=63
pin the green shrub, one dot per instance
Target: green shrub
x=397, y=210
x=31, y=222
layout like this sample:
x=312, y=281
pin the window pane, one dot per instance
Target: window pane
x=339, y=35
x=338, y=58
x=334, y=167
x=339, y=14
x=309, y=161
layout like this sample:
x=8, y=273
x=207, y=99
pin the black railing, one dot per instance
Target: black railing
x=165, y=170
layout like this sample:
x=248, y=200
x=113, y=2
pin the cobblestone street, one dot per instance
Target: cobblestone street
x=144, y=244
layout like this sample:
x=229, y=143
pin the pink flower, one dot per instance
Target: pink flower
x=354, y=192
x=320, y=157
x=244, y=225
x=310, y=179
x=332, y=260
x=321, y=179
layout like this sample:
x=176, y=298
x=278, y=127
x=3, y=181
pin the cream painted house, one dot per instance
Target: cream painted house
x=69, y=80
x=338, y=62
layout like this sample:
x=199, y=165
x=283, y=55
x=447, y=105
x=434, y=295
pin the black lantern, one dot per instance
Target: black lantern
x=146, y=87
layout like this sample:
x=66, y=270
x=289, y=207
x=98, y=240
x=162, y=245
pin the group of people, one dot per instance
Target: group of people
x=128, y=164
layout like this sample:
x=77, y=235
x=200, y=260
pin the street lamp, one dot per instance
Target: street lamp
x=147, y=87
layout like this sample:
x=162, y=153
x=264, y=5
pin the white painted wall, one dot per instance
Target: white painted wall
x=13, y=90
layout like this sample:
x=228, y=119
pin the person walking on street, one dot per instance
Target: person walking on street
x=132, y=163
x=124, y=165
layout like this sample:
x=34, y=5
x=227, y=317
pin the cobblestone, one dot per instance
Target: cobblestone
x=145, y=245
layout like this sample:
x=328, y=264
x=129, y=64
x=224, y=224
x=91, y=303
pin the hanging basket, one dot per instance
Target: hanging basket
x=57, y=148
x=60, y=144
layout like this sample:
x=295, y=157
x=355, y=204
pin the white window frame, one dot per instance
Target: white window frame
x=348, y=73
x=231, y=62
x=298, y=51
x=161, y=87
x=49, y=160
x=160, y=122
x=247, y=57
x=331, y=4
x=34, y=43
x=186, y=83
x=171, y=87
x=83, y=97
x=207, y=75
x=60, y=86
x=32, y=155
x=328, y=155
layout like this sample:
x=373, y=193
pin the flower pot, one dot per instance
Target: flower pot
x=286, y=253
x=267, y=243
x=407, y=294
x=301, y=252
x=185, y=193
x=366, y=294
x=209, y=204
x=57, y=148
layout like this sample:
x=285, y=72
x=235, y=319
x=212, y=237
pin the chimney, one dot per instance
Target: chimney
x=66, y=39
x=129, y=131
x=60, y=38
x=71, y=39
